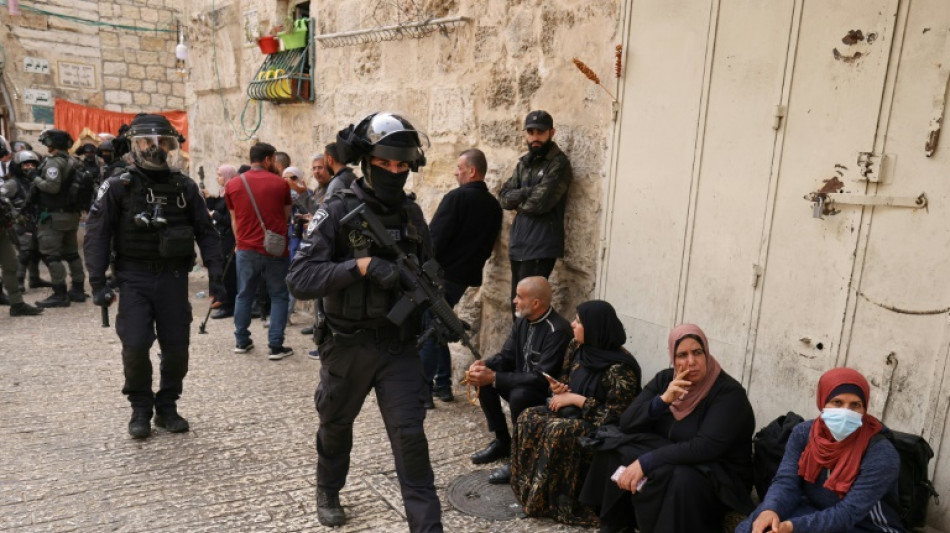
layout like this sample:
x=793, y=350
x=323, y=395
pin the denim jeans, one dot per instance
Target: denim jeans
x=436, y=359
x=252, y=267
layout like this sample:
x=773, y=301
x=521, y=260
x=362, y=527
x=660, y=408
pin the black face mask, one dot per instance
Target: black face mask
x=388, y=185
x=541, y=151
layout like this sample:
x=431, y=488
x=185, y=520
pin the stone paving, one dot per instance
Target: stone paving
x=67, y=463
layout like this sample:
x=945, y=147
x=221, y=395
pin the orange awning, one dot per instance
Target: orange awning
x=72, y=118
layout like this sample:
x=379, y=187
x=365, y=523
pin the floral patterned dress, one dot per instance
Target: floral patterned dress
x=548, y=466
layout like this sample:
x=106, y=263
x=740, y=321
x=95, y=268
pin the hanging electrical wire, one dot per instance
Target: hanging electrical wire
x=126, y=27
x=244, y=134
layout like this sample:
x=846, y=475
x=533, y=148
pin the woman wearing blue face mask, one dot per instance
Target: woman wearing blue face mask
x=837, y=475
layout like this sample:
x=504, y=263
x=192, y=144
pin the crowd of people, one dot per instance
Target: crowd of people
x=588, y=443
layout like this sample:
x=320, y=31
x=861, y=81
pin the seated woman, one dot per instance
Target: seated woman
x=837, y=475
x=686, y=443
x=601, y=379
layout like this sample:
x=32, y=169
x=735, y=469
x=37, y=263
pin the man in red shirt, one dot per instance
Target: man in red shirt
x=272, y=196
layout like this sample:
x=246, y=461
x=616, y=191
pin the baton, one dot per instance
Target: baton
x=201, y=328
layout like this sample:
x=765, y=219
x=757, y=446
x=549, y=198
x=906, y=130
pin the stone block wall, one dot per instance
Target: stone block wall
x=91, y=61
x=467, y=87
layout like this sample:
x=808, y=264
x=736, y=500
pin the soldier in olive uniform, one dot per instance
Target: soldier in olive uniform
x=8, y=256
x=59, y=220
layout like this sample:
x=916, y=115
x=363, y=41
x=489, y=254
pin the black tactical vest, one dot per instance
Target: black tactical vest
x=144, y=244
x=60, y=200
x=364, y=302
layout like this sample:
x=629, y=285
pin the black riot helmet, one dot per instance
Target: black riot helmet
x=155, y=144
x=106, y=151
x=56, y=139
x=86, y=149
x=384, y=135
x=21, y=158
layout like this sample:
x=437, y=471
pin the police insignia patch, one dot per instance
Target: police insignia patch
x=102, y=190
x=52, y=173
x=315, y=221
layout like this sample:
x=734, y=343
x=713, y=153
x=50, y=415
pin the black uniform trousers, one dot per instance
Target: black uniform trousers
x=153, y=304
x=348, y=371
x=518, y=398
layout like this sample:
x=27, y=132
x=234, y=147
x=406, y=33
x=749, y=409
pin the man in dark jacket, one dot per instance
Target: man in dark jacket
x=537, y=191
x=535, y=346
x=464, y=230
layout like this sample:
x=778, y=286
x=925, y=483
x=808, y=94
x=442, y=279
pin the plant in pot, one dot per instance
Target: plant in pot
x=294, y=34
x=266, y=41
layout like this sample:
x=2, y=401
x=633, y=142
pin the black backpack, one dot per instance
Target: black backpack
x=768, y=447
x=914, y=488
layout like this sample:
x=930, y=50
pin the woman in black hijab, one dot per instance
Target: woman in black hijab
x=601, y=379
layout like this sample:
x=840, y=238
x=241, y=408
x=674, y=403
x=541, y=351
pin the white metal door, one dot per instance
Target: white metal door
x=732, y=181
x=666, y=58
x=835, y=92
x=899, y=328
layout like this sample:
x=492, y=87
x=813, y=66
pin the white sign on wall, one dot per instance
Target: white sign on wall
x=76, y=75
x=35, y=65
x=38, y=97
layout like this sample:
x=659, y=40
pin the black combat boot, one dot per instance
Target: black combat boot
x=329, y=511
x=25, y=309
x=140, y=426
x=168, y=418
x=77, y=293
x=36, y=282
x=59, y=298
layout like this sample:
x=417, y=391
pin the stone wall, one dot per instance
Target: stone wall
x=467, y=87
x=92, y=62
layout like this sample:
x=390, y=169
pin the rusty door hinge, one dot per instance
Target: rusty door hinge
x=757, y=272
x=780, y=111
x=874, y=167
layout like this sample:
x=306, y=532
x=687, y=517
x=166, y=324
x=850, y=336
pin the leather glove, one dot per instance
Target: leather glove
x=383, y=273
x=216, y=288
x=102, y=295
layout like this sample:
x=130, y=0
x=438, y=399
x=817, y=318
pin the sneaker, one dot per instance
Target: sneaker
x=244, y=348
x=279, y=352
x=314, y=354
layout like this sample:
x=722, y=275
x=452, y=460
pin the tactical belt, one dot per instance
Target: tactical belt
x=152, y=266
x=382, y=335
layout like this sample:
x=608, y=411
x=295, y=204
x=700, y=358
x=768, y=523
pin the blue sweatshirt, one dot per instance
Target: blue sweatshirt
x=815, y=509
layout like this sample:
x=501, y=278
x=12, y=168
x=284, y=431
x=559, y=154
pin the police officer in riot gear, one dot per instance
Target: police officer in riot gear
x=11, y=201
x=361, y=349
x=23, y=169
x=148, y=220
x=58, y=222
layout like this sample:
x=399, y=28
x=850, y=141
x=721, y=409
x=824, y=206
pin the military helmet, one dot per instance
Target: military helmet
x=385, y=135
x=22, y=157
x=56, y=139
x=155, y=143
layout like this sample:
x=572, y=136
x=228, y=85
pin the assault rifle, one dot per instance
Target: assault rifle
x=420, y=283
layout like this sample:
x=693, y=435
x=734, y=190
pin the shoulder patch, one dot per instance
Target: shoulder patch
x=315, y=221
x=102, y=190
x=52, y=172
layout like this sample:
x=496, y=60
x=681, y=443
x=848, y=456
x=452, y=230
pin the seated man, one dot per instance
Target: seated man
x=535, y=346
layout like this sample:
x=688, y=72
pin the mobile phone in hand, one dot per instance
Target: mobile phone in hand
x=545, y=374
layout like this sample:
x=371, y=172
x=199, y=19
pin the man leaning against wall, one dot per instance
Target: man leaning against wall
x=537, y=192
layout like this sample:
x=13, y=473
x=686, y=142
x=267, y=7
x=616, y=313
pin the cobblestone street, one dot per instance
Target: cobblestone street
x=68, y=464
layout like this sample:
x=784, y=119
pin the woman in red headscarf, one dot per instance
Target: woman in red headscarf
x=686, y=444
x=837, y=475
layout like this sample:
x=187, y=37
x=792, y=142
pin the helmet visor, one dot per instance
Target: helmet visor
x=157, y=152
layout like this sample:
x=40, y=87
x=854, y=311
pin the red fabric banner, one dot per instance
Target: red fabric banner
x=72, y=118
